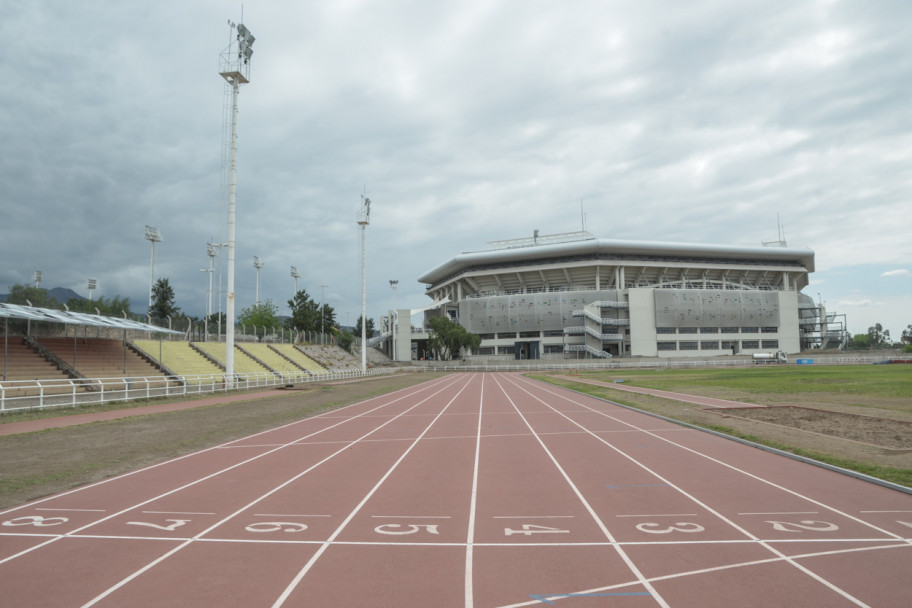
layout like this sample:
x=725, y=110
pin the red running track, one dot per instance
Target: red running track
x=468, y=490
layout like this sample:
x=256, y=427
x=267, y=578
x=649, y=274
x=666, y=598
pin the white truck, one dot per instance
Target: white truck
x=776, y=357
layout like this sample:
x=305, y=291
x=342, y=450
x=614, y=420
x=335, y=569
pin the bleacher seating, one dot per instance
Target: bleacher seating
x=180, y=358
x=299, y=357
x=272, y=358
x=103, y=358
x=243, y=363
x=331, y=357
x=23, y=363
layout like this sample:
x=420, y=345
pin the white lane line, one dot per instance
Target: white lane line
x=469, y=591
x=419, y=388
x=162, y=558
x=697, y=501
x=413, y=516
x=532, y=516
x=620, y=551
x=71, y=510
x=784, y=513
x=662, y=515
x=422, y=388
x=885, y=511
x=667, y=577
x=288, y=515
x=177, y=513
x=323, y=547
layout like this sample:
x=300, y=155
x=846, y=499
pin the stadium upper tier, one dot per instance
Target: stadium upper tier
x=593, y=263
x=576, y=294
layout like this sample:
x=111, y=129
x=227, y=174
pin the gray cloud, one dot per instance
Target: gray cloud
x=465, y=122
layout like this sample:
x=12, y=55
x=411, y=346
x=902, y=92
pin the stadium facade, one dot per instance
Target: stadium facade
x=577, y=295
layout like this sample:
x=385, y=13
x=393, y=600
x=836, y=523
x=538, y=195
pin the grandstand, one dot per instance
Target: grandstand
x=330, y=357
x=574, y=295
x=298, y=357
x=243, y=362
x=99, y=358
x=179, y=359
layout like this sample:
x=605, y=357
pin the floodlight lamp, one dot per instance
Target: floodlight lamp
x=242, y=30
x=153, y=235
x=91, y=283
x=248, y=53
x=210, y=250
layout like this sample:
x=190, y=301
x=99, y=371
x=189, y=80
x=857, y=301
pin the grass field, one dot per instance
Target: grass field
x=858, y=417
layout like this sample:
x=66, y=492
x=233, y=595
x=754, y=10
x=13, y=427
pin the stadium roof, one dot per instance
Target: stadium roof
x=16, y=311
x=590, y=247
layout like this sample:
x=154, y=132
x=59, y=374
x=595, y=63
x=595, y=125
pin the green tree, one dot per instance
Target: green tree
x=305, y=312
x=448, y=338
x=114, y=307
x=163, y=301
x=370, y=328
x=345, y=340
x=861, y=341
x=878, y=336
x=40, y=298
x=907, y=335
x=262, y=315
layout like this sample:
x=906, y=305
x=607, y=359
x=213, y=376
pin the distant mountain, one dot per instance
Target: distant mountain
x=61, y=294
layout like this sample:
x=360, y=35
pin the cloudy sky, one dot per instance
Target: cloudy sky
x=464, y=122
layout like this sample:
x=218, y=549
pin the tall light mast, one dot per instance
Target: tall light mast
x=363, y=221
x=259, y=266
x=234, y=67
x=153, y=237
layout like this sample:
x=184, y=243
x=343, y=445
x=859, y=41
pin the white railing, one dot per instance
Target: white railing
x=616, y=363
x=18, y=395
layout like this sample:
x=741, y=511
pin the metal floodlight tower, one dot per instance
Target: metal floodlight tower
x=363, y=221
x=37, y=278
x=212, y=253
x=322, y=311
x=295, y=275
x=153, y=237
x=259, y=266
x=234, y=67
x=92, y=284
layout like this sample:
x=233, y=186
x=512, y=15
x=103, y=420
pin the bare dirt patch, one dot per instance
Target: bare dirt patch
x=874, y=431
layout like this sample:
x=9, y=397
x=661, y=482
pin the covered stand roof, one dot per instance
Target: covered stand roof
x=17, y=311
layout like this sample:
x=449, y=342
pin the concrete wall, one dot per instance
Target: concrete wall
x=642, y=322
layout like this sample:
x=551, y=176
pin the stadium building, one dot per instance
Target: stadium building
x=576, y=295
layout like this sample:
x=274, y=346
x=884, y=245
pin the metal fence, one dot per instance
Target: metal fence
x=594, y=365
x=18, y=395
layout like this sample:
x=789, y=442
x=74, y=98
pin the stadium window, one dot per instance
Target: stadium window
x=530, y=334
x=770, y=344
x=769, y=330
x=750, y=330
x=665, y=330
x=553, y=348
x=688, y=345
x=709, y=346
x=709, y=330
x=511, y=334
x=486, y=350
x=487, y=336
x=748, y=344
x=553, y=333
x=729, y=330
x=667, y=345
x=727, y=344
x=687, y=330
